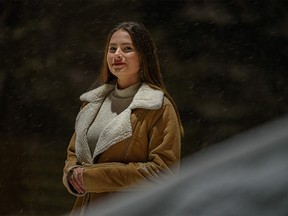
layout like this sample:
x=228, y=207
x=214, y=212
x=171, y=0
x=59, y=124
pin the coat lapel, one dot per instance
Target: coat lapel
x=83, y=121
x=117, y=130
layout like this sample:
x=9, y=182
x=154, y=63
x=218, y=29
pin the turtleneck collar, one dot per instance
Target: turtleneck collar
x=127, y=92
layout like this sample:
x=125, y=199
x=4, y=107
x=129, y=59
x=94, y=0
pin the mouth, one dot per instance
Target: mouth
x=118, y=64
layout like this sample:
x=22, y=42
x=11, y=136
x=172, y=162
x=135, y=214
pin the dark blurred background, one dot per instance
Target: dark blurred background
x=224, y=62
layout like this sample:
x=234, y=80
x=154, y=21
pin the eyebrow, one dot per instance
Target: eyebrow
x=113, y=44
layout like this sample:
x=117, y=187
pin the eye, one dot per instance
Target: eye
x=128, y=49
x=112, y=49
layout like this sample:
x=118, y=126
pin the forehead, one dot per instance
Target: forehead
x=120, y=36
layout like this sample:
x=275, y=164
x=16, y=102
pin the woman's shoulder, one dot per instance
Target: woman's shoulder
x=167, y=105
x=166, y=101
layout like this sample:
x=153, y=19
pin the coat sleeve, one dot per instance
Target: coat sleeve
x=164, y=158
x=70, y=164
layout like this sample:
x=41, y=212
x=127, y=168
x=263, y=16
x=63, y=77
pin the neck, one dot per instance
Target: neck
x=121, y=84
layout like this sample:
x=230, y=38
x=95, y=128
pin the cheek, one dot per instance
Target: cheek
x=138, y=62
x=108, y=58
x=135, y=59
x=109, y=65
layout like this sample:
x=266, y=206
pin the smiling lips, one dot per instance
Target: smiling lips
x=118, y=63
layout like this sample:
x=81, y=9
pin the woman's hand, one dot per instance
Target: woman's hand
x=76, y=180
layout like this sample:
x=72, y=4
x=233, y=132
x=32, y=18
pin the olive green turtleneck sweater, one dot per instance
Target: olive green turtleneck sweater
x=117, y=101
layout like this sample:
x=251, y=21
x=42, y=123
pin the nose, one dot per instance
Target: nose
x=118, y=53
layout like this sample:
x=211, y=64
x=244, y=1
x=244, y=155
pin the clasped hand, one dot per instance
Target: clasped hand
x=76, y=180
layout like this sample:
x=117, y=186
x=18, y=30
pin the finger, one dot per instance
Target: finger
x=78, y=184
x=78, y=172
x=74, y=182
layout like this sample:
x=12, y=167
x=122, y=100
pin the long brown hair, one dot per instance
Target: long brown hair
x=150, y=69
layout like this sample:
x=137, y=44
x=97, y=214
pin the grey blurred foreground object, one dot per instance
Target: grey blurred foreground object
x=245, y=175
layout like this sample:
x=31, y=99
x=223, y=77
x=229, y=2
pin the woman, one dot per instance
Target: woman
x=128, y=130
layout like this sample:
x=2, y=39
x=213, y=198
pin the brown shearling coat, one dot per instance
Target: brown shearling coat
x=153, y=149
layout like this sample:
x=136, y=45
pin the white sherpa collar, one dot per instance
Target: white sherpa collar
x=146, y=97
x=97, y=94
x=119, y=128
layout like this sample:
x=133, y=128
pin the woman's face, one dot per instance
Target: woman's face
x=123, y=60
